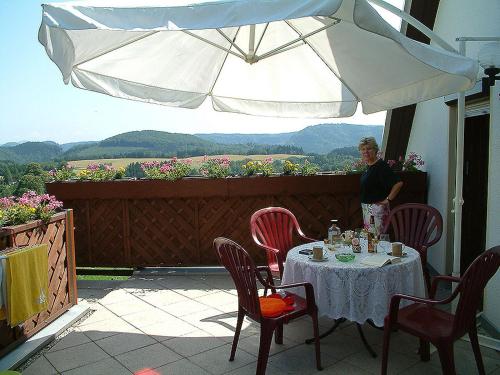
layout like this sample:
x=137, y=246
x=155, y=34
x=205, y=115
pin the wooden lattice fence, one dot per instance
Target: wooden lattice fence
x=163, y=223
x=59, y=237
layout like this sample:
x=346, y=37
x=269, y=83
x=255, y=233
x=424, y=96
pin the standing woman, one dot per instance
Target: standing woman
x=379, y=185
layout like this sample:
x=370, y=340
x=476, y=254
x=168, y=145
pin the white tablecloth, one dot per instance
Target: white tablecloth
x=353, y=290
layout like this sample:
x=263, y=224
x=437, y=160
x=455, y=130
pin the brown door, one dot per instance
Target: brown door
x=475, y=188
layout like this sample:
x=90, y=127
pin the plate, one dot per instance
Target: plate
x=345, y=257
x=324, y=259
x=401, y=256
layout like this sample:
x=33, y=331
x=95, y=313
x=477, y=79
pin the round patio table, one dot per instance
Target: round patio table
x=352, y=290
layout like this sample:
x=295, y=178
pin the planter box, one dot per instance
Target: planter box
x=58, y=235
x=164, y=223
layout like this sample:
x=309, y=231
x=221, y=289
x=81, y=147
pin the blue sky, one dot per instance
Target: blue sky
x=36, y=105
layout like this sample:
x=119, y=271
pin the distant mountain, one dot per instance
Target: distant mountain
x=31, y=152
x=7, y=154
x=12, y=144
x=319, y=139
x=66, y=146
x=238, y=138
x=151, y=143
x=145, y=143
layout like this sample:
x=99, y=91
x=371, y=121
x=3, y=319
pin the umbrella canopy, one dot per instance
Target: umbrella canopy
x=283, y=58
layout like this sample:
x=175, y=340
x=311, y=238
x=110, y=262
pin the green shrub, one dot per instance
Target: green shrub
x=308, y=169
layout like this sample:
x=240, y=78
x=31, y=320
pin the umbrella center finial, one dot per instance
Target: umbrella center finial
x=251, y=58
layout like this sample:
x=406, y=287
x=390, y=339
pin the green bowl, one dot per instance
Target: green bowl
x=345, y=257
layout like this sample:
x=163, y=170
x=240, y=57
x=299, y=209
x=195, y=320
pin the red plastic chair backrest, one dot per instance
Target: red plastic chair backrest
x=242, y=269
x=415, y=225
x=471, y=287
x=273, y=227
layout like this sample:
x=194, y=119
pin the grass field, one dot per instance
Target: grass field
x=118, y=163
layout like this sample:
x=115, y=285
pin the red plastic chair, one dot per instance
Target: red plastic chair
x=431, y=324
x=272, y=229
x=244, y=273
x=416, y=225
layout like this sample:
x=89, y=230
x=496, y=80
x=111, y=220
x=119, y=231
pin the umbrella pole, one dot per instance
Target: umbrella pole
x=458, y=200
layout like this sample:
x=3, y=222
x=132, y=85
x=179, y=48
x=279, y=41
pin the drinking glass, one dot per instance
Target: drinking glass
x=385, y=242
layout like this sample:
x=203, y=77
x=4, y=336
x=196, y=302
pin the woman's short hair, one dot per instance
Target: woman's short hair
x=368, y=141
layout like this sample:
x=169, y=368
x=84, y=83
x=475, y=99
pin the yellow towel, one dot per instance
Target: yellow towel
x=3, y=290
x=27, y=283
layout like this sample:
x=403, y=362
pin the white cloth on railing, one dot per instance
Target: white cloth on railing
x=353, y=290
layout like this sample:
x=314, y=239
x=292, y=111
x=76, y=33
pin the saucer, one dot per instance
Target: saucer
x=324, y=259
x=400, y=256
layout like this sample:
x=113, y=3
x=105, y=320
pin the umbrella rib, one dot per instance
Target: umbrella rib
x=222, y=65
x=231, y=42
x=301, y=38
x=324, y=61
x=260, y=39
x=115, y=48
x=215, y=44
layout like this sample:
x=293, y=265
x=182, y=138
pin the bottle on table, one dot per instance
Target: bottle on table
x=335, y=234
x=372, y=235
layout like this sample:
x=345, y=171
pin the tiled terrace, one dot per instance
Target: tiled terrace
x=184, y=325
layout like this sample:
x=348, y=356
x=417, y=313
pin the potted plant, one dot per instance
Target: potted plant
x=215, y=167
x=170, y=170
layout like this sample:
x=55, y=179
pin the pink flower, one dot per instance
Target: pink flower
x=165, y=168
x=93, y=167
x=6, y=202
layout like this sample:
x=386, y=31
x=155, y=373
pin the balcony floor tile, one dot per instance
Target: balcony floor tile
x=184, y=325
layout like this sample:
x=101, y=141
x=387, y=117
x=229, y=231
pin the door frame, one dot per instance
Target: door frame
x=475, y=105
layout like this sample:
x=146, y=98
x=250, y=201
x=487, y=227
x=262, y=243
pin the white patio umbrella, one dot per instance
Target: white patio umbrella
x=283, y=58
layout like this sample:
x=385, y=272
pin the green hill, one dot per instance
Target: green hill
x=31, y=152
x=150, y=143
x=145, y=143
x=319, y=139
x=66, y=146
x=7, y=154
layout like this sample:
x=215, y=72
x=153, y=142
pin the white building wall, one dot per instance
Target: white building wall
x=492, y=295
x=429, y=137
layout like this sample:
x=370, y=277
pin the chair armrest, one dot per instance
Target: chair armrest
x=305, y=238
x=437, y=279
x=396, y=299
x=268, y=248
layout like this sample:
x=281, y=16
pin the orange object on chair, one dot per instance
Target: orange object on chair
x=274, y=305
